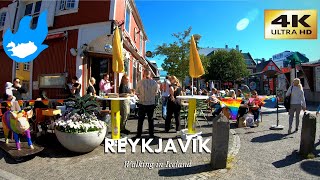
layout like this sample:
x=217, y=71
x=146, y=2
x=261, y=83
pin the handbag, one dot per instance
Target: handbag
x=287, y=101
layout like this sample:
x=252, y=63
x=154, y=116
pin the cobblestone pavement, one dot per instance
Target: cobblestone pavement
x=264, y=154
x=57, y=163
x=270, y=154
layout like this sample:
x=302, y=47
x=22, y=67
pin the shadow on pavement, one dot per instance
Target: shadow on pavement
x=311, y=167
x=52, y=147
x=273, y=112
x=185, y=171
x=288, y=160
x=269, y=138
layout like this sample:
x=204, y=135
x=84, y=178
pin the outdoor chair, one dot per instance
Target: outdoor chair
x=202, y=107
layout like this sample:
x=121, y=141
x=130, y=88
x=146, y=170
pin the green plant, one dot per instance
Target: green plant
x=86, y=105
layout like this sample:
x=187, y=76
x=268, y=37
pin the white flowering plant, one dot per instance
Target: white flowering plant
x=81, y=117
x=75, y=123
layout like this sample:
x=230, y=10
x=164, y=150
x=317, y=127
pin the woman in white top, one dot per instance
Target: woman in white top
x=296, y=103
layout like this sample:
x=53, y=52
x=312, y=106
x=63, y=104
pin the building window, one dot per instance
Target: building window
x=2, y=18
x=26, y=66
x=17, y=66
x=127, y=19
x=67, y=4
x=33, y=9
x=141, y=42
x=135, y=35
x=127, y=66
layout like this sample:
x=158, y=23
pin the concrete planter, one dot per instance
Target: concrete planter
x=81, y=142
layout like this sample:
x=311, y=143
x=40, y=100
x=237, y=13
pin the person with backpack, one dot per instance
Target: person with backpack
x=297, y=102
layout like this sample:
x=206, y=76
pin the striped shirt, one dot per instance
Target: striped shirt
x=147, y=90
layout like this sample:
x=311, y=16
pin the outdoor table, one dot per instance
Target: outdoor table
x=115, y=115
x=192, y=110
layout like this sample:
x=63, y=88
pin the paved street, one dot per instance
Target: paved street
x=264, y=154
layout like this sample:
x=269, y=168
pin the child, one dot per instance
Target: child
x=133, y=102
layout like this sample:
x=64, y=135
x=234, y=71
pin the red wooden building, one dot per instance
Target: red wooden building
x=84, y=28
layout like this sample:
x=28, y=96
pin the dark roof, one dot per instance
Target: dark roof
x=248, y=56
x=262, y=65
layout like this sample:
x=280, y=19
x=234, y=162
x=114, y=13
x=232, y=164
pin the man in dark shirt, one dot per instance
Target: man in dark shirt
x=19, y=89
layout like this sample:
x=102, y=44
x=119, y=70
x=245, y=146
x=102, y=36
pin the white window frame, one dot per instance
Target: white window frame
x=3, y=10
x=135, y=35
x=141, y=42
x=17, y=66
x=26, y=66
x=34, y=14
x=64, y=11
x=125, y=18
x=140, y=68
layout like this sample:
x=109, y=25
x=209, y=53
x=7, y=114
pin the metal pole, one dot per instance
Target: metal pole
x=277, y=127
x=192, y=86
x=277, y=111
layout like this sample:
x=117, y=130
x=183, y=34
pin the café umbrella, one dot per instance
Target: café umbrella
x=117, y=67
x=195, y=66
x=195, y=70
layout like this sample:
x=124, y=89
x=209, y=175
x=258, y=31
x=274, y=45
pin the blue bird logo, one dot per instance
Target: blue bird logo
x=26, y=44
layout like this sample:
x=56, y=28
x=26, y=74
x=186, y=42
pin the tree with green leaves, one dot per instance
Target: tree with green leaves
x=176, y=54
x=226, y=66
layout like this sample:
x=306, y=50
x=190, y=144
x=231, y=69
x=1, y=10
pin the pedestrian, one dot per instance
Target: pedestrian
x=147, y=90
x=165, y=96
x=125, y=104
x=75, y=87
x=255, y=106
x=91, y=90
x=134, y=103
x=18, y=89
x=297, y=102
x=232, y=94
x=239, y=93
x=105, y=87
x=174, y=104
x=318, y=110
x=9, y=92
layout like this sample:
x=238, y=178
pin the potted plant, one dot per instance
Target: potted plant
x=79, y=129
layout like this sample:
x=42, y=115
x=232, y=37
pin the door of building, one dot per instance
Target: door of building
x=99, y=66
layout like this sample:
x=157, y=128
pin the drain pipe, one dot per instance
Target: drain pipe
x=66, y=51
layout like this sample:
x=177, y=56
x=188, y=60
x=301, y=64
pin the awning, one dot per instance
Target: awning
x=98, y=45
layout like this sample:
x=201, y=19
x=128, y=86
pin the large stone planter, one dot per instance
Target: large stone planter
x=81, y=142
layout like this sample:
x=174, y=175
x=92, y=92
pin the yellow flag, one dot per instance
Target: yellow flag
x=195, y=65
x=117, y=57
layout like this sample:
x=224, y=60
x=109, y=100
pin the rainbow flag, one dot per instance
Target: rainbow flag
x=20, y=103
x=233, y=105
x=31, y=102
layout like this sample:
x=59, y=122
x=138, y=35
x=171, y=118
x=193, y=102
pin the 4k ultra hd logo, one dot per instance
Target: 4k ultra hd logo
x=290, y=24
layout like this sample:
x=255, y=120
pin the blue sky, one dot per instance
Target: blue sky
x=216, y=20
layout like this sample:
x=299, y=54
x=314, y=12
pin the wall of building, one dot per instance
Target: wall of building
x=89, y=12
x=52, y=61
x=6, y=71
x=86, y=35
